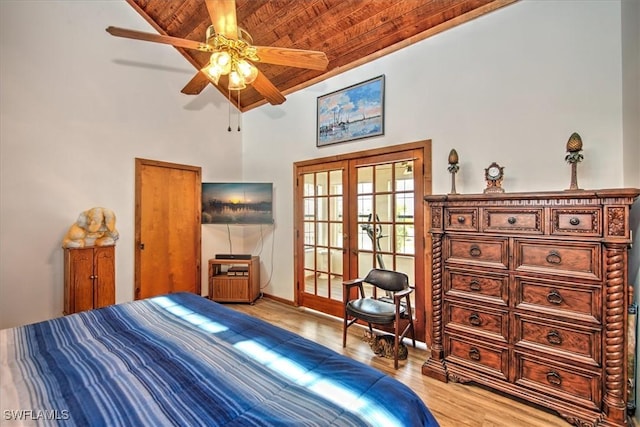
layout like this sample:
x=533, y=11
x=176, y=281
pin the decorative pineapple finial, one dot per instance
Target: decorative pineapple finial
x=453, y=168
x=574, y=146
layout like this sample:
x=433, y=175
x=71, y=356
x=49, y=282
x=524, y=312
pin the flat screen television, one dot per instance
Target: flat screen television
x=237, y=203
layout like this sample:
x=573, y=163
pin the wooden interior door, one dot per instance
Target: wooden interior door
x=167, y=227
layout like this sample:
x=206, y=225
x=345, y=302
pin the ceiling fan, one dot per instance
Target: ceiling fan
x=232, y=54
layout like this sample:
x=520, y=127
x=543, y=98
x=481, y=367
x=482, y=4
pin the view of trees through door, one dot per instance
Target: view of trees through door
x=356, y=213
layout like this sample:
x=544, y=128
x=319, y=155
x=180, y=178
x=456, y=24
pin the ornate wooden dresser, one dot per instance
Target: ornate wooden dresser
x=530, y=297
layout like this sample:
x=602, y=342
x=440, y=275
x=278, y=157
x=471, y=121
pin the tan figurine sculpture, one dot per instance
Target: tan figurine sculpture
x=94, y=227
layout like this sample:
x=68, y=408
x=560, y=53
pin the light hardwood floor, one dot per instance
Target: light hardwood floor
x=453, y=405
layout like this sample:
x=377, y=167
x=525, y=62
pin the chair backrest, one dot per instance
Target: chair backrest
x=388, y=280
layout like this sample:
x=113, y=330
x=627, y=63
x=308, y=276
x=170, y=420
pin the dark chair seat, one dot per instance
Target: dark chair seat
x=373, y=311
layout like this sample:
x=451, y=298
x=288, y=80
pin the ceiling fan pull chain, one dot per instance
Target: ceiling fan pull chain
x=229, y=113
x=239, y=112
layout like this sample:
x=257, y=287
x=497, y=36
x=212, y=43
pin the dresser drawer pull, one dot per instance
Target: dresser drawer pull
x=574, y=221
x=554, y=337
x=554, y=297
x=474, y=285
x=511, y=220
x=554, y=378
x=554, y=258
x=461, y=219
x=474, y=354
x=475, y=251
x=475, y=319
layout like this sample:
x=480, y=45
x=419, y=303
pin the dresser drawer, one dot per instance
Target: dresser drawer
x=571, y=259
x=576, y=222
x=504, y=220
x=558, y=298
x=578, y=343
x=490, y=360
x=492, y=288
x=481, y=252
x=572, y=384
x=492, y=324
x=461, y=219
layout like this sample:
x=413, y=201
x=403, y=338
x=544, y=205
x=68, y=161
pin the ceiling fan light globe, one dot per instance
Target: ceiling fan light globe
x=236, y=81
x=213, y=73
x=248, y=71
x=221, y=60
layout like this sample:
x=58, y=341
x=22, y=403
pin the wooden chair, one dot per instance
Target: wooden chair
x=392, y=309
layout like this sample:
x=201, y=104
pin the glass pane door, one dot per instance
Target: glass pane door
x=357, y=212
x=385, y=218
x=323, y=240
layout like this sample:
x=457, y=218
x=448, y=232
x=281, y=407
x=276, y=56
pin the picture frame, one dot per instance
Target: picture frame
x=354, y=112
x=237, y=203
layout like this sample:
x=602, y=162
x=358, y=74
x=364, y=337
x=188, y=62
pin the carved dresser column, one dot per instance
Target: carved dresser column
x=530, y=297
x=434, y=366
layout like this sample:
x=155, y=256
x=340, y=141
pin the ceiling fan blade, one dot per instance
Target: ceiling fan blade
x=196, y=84
x=159, y=38
x=271, y=93
x=292, y=57
x=223, y=17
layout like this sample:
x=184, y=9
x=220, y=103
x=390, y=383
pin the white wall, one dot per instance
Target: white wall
x=631, y=118
x=76, y=107
x=631, y=133
x=509, y=87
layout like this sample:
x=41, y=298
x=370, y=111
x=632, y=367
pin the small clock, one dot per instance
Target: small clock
x=494, y=175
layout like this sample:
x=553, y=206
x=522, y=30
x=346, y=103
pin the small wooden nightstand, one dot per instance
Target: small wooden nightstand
x=234, y=280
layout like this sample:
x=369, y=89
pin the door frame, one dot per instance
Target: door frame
x=422, y=254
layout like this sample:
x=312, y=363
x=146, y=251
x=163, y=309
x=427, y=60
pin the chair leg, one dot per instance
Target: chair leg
x=411, y=325
x=396, y=345
x=344, y=330
x=413, y=334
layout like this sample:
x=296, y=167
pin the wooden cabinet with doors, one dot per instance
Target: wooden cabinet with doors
x=234, y=280
x=530, y=297
x=89, y=278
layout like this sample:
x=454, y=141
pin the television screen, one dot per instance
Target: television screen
x=237, y=203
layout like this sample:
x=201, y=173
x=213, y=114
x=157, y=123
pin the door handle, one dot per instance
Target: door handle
x=141, y=246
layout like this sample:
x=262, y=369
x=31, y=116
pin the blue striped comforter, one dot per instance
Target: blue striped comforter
x=183, y=360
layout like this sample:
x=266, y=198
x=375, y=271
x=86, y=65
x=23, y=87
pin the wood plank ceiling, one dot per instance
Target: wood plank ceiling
x=350, y=32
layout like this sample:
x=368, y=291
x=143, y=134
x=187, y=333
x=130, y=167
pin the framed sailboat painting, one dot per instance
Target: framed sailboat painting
x=354, y=112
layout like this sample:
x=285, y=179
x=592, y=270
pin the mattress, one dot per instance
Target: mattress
x=181, y=359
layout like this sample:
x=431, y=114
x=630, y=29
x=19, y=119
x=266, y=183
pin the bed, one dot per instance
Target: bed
x=181, y=359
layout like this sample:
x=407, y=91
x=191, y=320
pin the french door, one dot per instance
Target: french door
x=358, y=212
